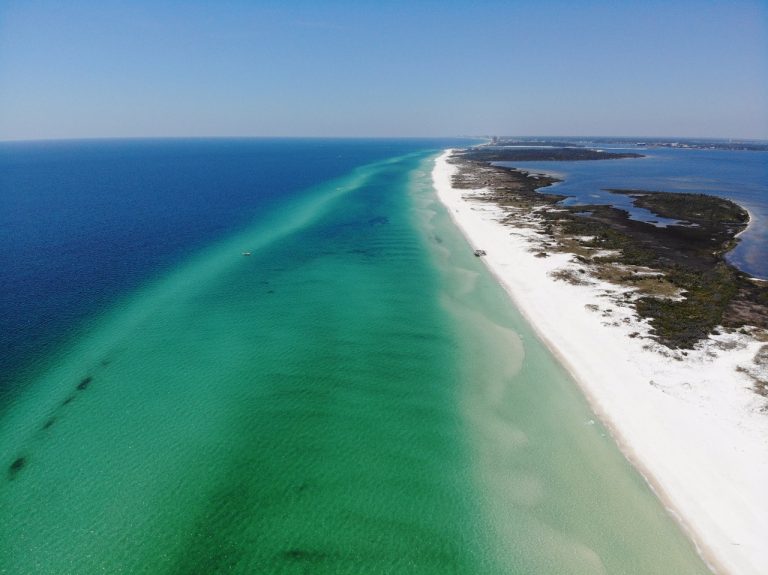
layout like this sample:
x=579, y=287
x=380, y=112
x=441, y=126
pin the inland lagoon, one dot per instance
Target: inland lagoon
x=356, y=396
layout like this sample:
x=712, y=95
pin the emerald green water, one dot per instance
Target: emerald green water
x=348, y=399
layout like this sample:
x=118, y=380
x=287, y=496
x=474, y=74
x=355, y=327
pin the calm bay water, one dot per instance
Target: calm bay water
x=741, y=176
x=357, y=396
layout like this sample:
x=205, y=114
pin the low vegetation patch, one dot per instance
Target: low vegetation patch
x=693, y=291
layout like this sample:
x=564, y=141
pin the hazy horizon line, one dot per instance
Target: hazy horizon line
x=379, y=137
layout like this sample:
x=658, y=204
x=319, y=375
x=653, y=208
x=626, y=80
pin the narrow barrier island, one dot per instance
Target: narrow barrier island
x=664, y=336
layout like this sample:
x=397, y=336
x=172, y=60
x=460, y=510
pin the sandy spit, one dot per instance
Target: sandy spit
x=690, y=423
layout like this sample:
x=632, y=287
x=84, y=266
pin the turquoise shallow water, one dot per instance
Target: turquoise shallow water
x=357, y=396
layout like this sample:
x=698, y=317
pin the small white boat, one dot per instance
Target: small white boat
x=246, y=253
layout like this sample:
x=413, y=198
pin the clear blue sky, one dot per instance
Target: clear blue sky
x=260, y=68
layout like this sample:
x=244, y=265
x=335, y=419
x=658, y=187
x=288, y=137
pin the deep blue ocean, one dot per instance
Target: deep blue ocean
x=84, y=222
x=741, y=176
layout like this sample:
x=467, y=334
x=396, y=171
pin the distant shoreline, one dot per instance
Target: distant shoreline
x=687, y=418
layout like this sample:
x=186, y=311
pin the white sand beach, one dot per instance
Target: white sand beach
x=690, y=422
